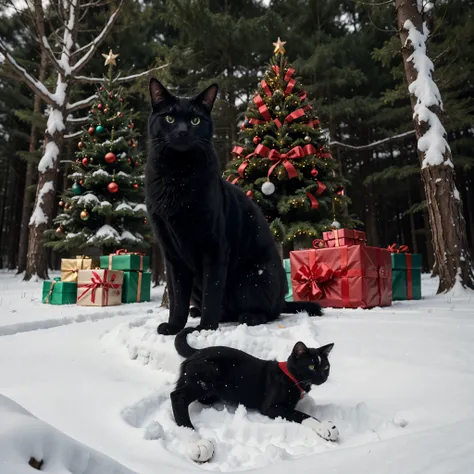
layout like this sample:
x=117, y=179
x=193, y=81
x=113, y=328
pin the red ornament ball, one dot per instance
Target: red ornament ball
x=135, y=186
x=81, y=144
x=314, y=172
x=60, y=203
x=92, y=111
x=145, y=221
x=99, y=106
x=112, y=187
x=110, y=157
x=250, y=193
x=340, y=190
x=101, y=88
x=111, y=96
x=85, y=161
x=129, y=160
x=81, y=182
x=120, y=114
x=121, y=99
x=106, y=110
x=131, y=125
x=257, y=140
x=91, y=130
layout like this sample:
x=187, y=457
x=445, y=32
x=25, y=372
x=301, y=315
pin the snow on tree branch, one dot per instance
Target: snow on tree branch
x=51, y=153
x=81, y=103
x=141, y=74
x=95, y=44
x=36, y=86
x=432, y=143
x=92, y=80
x=373, y=144
x=39, y=217
x=73, y=135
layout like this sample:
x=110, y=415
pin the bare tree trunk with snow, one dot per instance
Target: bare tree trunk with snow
x=452, y=257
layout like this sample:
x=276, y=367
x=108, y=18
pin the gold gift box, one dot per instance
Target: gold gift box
x=71, y=266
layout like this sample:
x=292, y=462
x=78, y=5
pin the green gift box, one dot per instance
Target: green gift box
x=406, y=276
x=136, y=287
x=286, y=264
x=59, y=292
x=122, y=260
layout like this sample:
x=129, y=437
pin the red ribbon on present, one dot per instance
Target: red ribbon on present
x=394, y=248
x=261, y=150
x=262, y=108
x=265, y=88
x=293, y=154
x=294, y=115
x=310, y=279
x=314, y=201
x=97, y=283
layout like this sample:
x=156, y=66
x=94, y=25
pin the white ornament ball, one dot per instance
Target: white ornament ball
x=277, y=108
x=268, y=188
x=307, y=138
x=336, y=225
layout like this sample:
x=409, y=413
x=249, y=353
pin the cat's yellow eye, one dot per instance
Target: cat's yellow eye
x=169, y=118
x=196, y=121
x=311, y=367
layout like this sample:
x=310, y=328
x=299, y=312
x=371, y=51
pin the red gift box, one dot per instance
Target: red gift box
x=354, y=276
x=340, y=237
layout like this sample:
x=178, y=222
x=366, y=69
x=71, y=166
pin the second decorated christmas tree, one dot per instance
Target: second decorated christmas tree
x=283, y=163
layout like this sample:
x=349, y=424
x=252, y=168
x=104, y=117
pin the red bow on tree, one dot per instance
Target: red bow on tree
x=294, y=153
x=310, y=279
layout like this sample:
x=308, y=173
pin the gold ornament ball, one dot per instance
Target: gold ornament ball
x=59, y=230
x=84, y=215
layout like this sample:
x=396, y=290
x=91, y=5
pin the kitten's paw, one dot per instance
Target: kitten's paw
x=252, y=319
x=194, y=312
x=206, y=327
x=167, y=329
x=202, y=451
x=326, y=429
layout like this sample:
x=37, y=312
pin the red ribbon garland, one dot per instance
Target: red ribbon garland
x=309, y=150
x=290, y=86
x=314, y=201
x=262, y=108
x=294, y=115
x=289, y=73
x=265, y=88
x=293, y=154
x=97, y=283
x=321, y=188
x=276, y=70
x=261, y=150
x=310, y=279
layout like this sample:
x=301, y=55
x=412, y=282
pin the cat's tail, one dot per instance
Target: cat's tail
x=312, y=308
x=181, y=343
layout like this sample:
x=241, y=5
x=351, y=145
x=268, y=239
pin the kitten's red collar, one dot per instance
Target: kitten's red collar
x=284, y=368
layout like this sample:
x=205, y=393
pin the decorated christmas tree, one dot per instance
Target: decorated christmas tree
x=283, y=162
x=105, y=205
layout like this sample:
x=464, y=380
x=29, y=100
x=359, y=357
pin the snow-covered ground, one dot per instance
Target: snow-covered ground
x=97, y=382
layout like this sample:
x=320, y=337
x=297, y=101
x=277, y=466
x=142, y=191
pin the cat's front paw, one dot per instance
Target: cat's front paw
x=202, y=451
x=326, y=429
x=206, y=327
x=167, y=329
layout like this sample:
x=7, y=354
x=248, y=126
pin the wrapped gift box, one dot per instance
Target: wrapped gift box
x=354, y=276
x=286, y=264
x=406, y=276
x=126, y=261
x=340, y=237
x=99, y=287
x=136, y=287
x=71, y=266
x=59, y=292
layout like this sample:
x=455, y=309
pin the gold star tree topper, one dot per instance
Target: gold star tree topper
x=110, y=58
x=279, y=46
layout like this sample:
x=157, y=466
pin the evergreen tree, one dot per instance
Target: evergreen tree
x=104, y=207
x=283, y=162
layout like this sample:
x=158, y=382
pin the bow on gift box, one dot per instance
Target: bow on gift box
x=125, y=252
x=319, y=244
x=310, y=279
x=394, y=248
x=97, y=283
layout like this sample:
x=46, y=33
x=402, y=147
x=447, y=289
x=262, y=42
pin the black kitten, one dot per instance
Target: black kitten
x=230, y=375
x=217, y=244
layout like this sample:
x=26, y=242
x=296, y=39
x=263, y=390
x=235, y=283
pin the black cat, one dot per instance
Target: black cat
x=230, y=375
x=216, y=242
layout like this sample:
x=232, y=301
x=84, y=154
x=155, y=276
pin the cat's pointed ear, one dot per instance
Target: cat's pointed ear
x=326, y=349
x=158, y=93
x=300, y=350
x=207, y=97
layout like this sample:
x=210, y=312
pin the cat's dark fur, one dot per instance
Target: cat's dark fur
x=216, y=242
x=233, y=376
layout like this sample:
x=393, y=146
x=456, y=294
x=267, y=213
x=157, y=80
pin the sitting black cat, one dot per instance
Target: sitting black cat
x=230, y=375
x=216, y=242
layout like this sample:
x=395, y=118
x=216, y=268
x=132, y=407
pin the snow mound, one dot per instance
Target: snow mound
x=23, y=436
x=242, y=439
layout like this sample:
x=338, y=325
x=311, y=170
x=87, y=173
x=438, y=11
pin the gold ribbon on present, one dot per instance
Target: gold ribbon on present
x=139, y=289
x=71, y=266
x=48, y=296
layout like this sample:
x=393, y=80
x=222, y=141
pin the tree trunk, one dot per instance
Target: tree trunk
x=452, y=257
x=3, y=206
x=411, y=216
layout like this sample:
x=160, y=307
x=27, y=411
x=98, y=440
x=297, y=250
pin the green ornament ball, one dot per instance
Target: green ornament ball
x=77, y=189
x=99, y=129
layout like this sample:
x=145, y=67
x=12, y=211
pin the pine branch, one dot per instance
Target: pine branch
x=97, y=41
x=36, y=86
x=373, y=144
x=78, y=120
x=91, y=80
x=141, y=74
